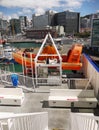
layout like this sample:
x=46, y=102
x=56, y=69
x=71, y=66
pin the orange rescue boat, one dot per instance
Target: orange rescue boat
x=71, y=61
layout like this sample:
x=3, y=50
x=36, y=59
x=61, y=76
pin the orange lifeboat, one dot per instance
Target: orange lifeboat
x=71, y=61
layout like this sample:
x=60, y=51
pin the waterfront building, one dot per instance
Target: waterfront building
x=23, y=22
x=40, y=33
x=69, y=20
x=3, y=26
x=15, y=27
x=55, y=31
x=41, y=21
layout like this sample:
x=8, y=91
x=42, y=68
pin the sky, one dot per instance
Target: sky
x=15, y=8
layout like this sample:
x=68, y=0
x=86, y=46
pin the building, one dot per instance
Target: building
x=69, y=20
x=40, y=33
x=23, y=22
x=15, y=27
x=3, y=26
x=95, y=33
x=86, y=22
x=85, y=25
x=41, y=21
x=59, y=30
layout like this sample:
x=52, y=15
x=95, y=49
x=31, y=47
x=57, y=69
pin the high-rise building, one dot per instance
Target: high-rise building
x=23, y=22
x=95, y=33
x=85, y=23
x=41, y=21
x=3, y=25
x=70, y=21
x=15, y=27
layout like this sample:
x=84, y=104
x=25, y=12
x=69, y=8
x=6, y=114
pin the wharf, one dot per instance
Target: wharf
x=24, y=40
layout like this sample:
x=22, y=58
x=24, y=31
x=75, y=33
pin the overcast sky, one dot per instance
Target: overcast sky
x=15, y=8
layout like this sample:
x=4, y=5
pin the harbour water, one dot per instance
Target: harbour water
x=18, y=67
x=26, y=45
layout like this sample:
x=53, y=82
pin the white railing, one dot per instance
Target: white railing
x=29, y=81
x=1, y=127
x=49, y=81
x=28, y=121
x=5, y=77
x=84, y=121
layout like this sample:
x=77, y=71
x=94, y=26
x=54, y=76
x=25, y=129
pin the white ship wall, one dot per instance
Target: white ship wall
x=91, y=72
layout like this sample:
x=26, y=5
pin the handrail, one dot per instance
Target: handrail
x=25, y=121
x=84, y=121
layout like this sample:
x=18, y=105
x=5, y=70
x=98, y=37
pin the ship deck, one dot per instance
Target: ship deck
x=38, y=102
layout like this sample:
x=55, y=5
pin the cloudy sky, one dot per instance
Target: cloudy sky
x=14, y=8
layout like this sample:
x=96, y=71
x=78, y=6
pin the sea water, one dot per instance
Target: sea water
x=18, y=67
x=26, y=45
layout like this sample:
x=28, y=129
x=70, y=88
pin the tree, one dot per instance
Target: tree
x=82, y=35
